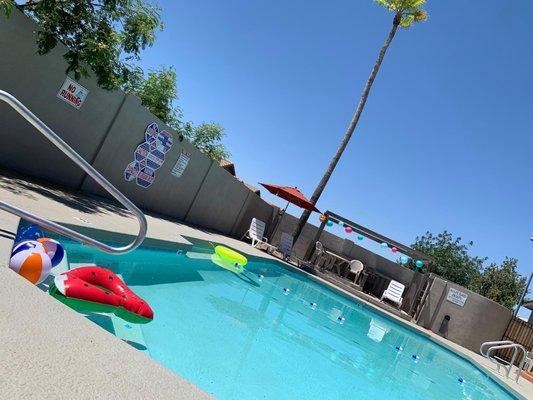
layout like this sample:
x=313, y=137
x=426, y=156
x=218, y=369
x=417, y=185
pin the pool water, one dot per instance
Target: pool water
x=273, y=333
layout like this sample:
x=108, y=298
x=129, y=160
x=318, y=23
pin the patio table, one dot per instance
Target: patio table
x=336, y=260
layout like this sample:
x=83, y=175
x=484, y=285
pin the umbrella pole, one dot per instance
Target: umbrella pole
x=280, y=217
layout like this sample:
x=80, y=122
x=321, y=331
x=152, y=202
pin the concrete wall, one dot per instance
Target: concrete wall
x=168, y=194
x=479, y=320
x=219, y=201
x=106, y=131
x=35, y=80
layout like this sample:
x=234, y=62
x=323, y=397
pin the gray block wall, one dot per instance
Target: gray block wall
x=105, y=132
x=35, y=80
x=479, y=320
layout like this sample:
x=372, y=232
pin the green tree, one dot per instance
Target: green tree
x=501, y=283
x=452, y=259
x=103, y=36
x=406, y=13
x=158, y=92
x=207, y=137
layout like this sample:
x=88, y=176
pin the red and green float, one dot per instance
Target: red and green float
x=97, y=289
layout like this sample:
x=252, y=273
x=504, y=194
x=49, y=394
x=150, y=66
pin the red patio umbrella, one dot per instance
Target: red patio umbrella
x=292, y=195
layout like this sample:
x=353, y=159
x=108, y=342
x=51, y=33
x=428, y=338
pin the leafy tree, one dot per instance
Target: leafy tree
x=101, y=35
x=6, y=6
x=452, y=260
x=157, y=93
x=207, y=137
x=501, y=283
x=406, y=13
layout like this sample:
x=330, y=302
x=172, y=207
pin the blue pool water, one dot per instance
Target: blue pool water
x=247, y=337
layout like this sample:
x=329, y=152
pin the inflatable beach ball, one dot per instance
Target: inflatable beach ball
x=30, y=260
x=54, y=250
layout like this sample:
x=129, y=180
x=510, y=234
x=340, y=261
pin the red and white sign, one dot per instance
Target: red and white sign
x=72, y=93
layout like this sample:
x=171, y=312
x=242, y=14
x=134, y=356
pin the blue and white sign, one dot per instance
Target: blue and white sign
x=457, y=297
x=148, y=156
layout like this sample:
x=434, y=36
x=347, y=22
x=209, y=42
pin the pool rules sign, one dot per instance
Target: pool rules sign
x=73, y=93
x=457, y=297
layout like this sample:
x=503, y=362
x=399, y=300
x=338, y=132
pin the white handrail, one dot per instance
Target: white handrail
x=74, y=156
x=501, y=345
x=495, y=343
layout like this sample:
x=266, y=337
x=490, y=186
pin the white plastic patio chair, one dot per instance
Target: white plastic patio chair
x=356, y=267
x=285, y=248
x=256, y=232
x=394, y=293
x=318, y=255
x=285, y=245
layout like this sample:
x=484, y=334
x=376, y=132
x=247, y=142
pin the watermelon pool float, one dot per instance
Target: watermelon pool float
x=97, y=289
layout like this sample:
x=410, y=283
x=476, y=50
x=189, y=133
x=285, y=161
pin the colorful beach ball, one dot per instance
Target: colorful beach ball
x=54, y=250
x=30, y=260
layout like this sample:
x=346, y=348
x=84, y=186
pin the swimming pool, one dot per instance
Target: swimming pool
x=273, y=333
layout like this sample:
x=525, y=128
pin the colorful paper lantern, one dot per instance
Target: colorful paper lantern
x=323, y=218
x=384, y=245
x=419, y=263
x=360, y=237
x=404, y=260
x=341, y=223
x=394, y=249
x=329, y=223
x=348, y=229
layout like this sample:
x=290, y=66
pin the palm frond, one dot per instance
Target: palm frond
x=408, y=11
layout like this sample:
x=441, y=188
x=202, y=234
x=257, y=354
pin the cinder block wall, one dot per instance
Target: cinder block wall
x=35, y=81
x=479, y=320
x=105, y=132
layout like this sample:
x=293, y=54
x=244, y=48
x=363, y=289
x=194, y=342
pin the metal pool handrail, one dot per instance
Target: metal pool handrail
x=502, y=345
x=74, y=156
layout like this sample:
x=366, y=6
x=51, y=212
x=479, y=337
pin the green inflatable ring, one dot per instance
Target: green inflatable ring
x=230, y=256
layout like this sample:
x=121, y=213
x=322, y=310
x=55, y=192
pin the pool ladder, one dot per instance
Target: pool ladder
x=85, y=166
x=488, y=348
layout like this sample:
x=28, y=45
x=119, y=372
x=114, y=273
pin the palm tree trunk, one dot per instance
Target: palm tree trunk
x=351, y=128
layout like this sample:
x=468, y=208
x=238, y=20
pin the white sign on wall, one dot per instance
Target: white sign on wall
x=181, y=164
x=457, y=297
x=72, y=93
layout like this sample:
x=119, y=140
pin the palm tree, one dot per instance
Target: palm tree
x=406, y=13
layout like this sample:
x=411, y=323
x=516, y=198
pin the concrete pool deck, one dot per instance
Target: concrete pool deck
x=44, y=349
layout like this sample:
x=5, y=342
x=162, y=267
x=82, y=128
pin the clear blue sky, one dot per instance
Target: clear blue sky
x=445, y=141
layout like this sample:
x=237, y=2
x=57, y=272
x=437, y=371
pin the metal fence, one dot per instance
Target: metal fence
x=519, y=332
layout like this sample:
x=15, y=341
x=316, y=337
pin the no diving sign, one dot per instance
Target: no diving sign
x=72, y=93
